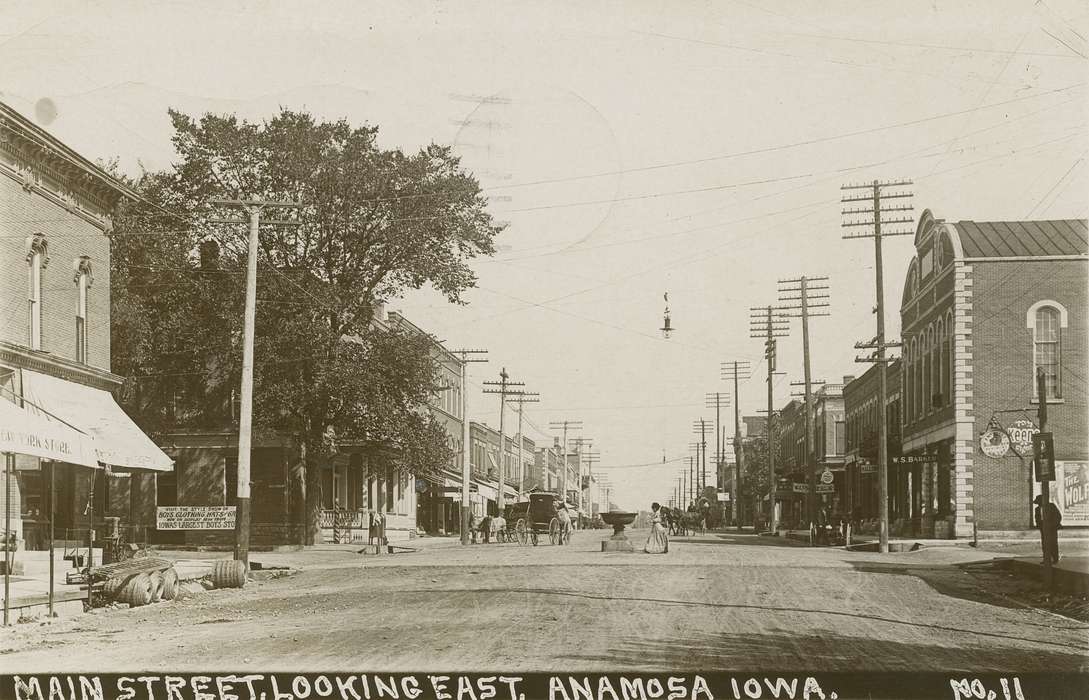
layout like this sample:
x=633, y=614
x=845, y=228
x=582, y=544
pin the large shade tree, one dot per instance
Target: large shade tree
x=371, y=224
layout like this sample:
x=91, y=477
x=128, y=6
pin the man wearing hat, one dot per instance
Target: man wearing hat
x=1049, y=520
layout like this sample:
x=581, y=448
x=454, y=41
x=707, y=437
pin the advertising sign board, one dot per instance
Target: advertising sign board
x=1070, y=492
x=194, y=517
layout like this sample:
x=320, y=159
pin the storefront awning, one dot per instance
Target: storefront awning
x=117, y=440
x=27, y=431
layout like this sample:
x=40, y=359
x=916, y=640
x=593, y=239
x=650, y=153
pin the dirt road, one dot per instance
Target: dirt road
x=725, y=602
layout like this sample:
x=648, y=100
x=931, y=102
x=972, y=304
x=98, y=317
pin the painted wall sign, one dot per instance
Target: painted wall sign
x=194, y=517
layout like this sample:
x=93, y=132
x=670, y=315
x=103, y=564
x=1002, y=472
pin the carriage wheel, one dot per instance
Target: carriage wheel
x=520, y=531
x=554, y=531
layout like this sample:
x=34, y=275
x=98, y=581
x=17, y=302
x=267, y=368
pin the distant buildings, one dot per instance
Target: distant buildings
x=984, y=305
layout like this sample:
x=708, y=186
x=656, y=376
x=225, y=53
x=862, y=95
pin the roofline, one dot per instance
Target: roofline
x=20, y=123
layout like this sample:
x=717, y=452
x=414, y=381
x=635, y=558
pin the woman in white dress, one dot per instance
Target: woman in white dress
x=657, y=542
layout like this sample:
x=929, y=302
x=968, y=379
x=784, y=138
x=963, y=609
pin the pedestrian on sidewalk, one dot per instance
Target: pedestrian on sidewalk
x=657, y=541
x=472, y=526
x=1049, y=520
x=499, y=528
x=486, y=529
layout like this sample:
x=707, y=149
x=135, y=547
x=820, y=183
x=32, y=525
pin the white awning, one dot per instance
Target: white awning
x=28, y=431
x=117, y=440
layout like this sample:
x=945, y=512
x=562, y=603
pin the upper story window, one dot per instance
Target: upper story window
x=83, y=280
x=1047, y=319
x=37, y=259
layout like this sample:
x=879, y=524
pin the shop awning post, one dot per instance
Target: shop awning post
x=8, y=539
x=52, y=509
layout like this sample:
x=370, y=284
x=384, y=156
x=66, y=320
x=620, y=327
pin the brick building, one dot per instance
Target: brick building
x=75, y=455
x=984, y=305
x=860, y=400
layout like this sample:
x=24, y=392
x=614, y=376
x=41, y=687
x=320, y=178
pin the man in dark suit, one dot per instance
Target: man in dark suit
x=1049, y=520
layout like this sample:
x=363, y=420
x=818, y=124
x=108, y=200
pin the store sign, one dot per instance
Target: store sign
x=827, y=477
x=1070, y=492
x=867, y=468
x=724, y=496
x=1020, y=435
x=994, y=442
x=194, y=517
x=915, y=459
x=826, y=488
x=801, y=488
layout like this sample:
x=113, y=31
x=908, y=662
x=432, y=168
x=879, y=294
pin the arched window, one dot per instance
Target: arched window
x=925, y=366
x=937, y=400
x=37, y=259
x=83, y=279
x=1047, y=319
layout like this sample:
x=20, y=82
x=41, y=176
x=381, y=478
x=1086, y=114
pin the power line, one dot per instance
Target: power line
x=795, y=144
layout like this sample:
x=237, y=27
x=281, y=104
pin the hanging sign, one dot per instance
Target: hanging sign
x=994, y=442
x=1020, y=433
x=801, y=488
x=827, y=477
x=826, y=488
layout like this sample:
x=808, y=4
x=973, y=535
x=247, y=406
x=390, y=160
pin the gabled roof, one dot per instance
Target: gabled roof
x=1007, y=239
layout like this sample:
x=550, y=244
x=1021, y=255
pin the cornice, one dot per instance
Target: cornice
x=22, y=357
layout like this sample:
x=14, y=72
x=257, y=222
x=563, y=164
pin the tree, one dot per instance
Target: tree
x=372, y=224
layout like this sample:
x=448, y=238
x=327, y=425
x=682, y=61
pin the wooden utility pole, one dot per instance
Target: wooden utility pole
x=734, y=370
x=717, y=400
x=467, y=356
x=875, y=221
x=700, y=428
x=1045, y=484
x=253, y=207
x=524, y=397
x=801, y=306
x=767, y=323
x=504, y=390
x=565, y=425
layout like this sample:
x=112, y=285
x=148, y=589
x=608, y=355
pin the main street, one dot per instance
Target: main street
x=719, y=601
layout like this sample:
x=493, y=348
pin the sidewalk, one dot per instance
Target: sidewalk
x=1071, y=573
x=30, y=590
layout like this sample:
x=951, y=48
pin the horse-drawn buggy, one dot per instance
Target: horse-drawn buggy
x=535, y=517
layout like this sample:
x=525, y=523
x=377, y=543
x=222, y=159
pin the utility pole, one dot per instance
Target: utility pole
x=737, y=370
x=592, y=458
x=467, y=356
x=767, y=323
x=876, y=220
x=700, y=427
x=801, y=306
x=504, y=383
x=1045, y=482
x=565, y=425
x=717, y=400
x=253, y=207
x=580, y=442
x=525, y=397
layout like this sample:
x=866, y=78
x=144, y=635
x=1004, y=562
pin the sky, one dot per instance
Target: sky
x=634, y=149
